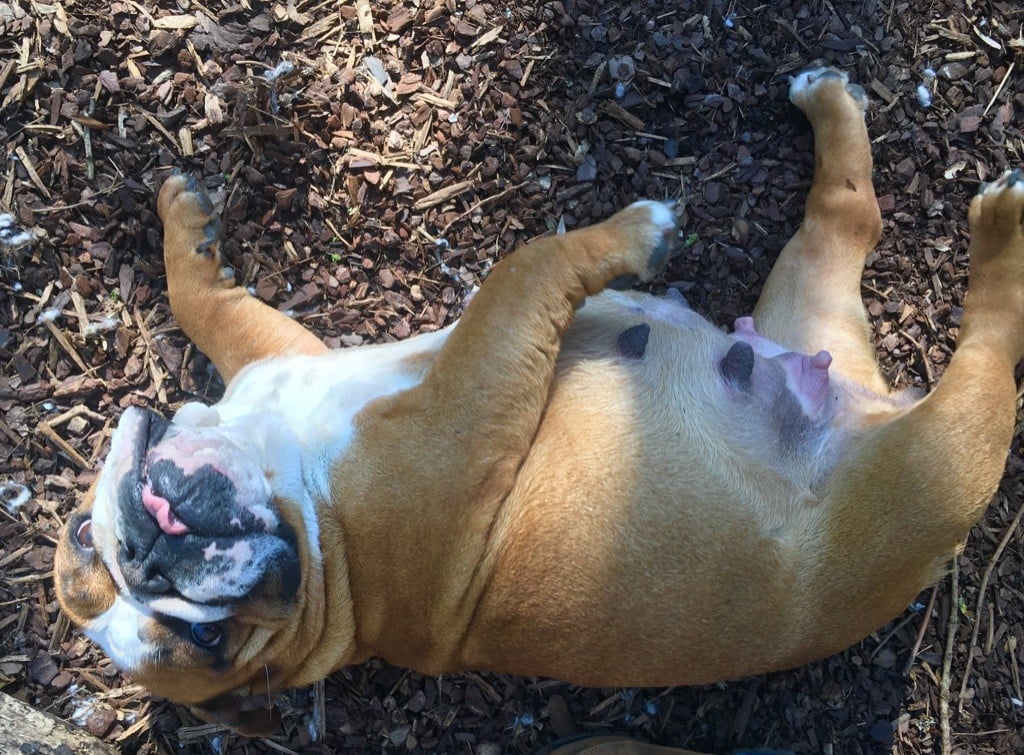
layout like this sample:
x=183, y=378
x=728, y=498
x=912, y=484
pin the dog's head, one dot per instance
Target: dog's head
x=187, y=559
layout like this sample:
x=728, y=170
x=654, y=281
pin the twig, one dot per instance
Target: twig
x=947, y=658
x=981, y=599
x=925, y=362
x=920, y=632
x=26, y=162
x=65, y=344
x=486, y=200
x=792, y=31
x=999, y=89
x=45, y=430
x=443, y=195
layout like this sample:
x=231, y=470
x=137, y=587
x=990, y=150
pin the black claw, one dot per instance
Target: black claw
x=829, y=73
x=214, y=231
x=662, y=250
x=857, y=92
x=623, y=282
x=193, y=184
x=205, y=203
x=1014, y=177
x=659, y=256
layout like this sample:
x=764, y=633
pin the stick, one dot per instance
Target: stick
x=947, y=658
x=999, y=89
x=981, y=599
x=920, y=632
x=482, y=202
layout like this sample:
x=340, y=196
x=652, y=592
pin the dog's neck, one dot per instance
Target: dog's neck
x=316, y=398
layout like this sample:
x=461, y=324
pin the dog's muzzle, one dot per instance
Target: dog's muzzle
x=196, y=519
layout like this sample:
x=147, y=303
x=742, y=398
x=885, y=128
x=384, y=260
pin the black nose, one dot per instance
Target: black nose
x=141, y=570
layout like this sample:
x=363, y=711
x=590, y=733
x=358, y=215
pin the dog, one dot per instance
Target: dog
x=575, y=481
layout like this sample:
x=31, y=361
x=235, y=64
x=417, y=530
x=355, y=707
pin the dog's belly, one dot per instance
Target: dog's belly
x=649, y=509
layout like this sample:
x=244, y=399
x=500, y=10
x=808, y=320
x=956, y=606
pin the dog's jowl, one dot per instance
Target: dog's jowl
x=615, y=494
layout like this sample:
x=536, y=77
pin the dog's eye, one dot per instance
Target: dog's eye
x=206, y=635
x=83, y=535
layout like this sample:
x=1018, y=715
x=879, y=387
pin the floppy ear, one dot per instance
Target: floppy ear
x=248, y=716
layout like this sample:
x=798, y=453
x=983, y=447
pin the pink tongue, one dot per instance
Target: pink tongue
x=160, y=509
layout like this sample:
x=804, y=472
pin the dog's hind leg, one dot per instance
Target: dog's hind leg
x=231, y=327
x=933, y=469
x=811, y=300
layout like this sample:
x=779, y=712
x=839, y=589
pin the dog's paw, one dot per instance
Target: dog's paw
x=997, y=216
x=1001, y=203
x=996, y=286
x=189, y=219
x=648, y=229
x=814, y=88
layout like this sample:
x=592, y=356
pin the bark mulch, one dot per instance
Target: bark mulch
x=373, y=160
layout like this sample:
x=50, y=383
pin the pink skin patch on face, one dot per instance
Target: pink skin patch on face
x=806, y=375
x=160, y=509
x=194, y=448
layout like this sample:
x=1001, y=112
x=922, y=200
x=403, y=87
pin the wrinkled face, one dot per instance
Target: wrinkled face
x=182, y=563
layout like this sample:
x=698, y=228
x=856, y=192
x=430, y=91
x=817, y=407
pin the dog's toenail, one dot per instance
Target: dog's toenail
x=1014, y=177
x=205, y=203
x=623, y=282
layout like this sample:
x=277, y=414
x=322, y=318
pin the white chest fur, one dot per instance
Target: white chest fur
x=314, y=399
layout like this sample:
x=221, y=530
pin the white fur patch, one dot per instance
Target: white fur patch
x=117, y=630
x=14, y=495
x=661, y=213
x=805, y=80
x=1000, y=184
x=187, y=610
x=317, y=398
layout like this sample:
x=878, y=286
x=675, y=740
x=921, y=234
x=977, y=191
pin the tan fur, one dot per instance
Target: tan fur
x=536, y=506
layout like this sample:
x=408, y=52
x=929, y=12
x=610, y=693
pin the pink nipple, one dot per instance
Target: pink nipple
x=808, y=378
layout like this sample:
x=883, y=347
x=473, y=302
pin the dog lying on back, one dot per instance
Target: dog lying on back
x=591, y=485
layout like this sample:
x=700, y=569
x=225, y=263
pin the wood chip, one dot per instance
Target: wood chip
x=443, y=195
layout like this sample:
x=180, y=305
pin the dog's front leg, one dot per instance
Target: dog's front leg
x=488, y=386
x=231, y=327
x=434, y=463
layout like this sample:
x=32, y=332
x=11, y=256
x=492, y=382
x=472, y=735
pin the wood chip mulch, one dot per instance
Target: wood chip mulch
x=373, y=160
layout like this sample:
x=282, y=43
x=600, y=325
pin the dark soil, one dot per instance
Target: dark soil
x=369, y=187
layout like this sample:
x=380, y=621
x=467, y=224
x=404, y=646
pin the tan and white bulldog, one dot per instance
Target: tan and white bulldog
x=603, y=488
